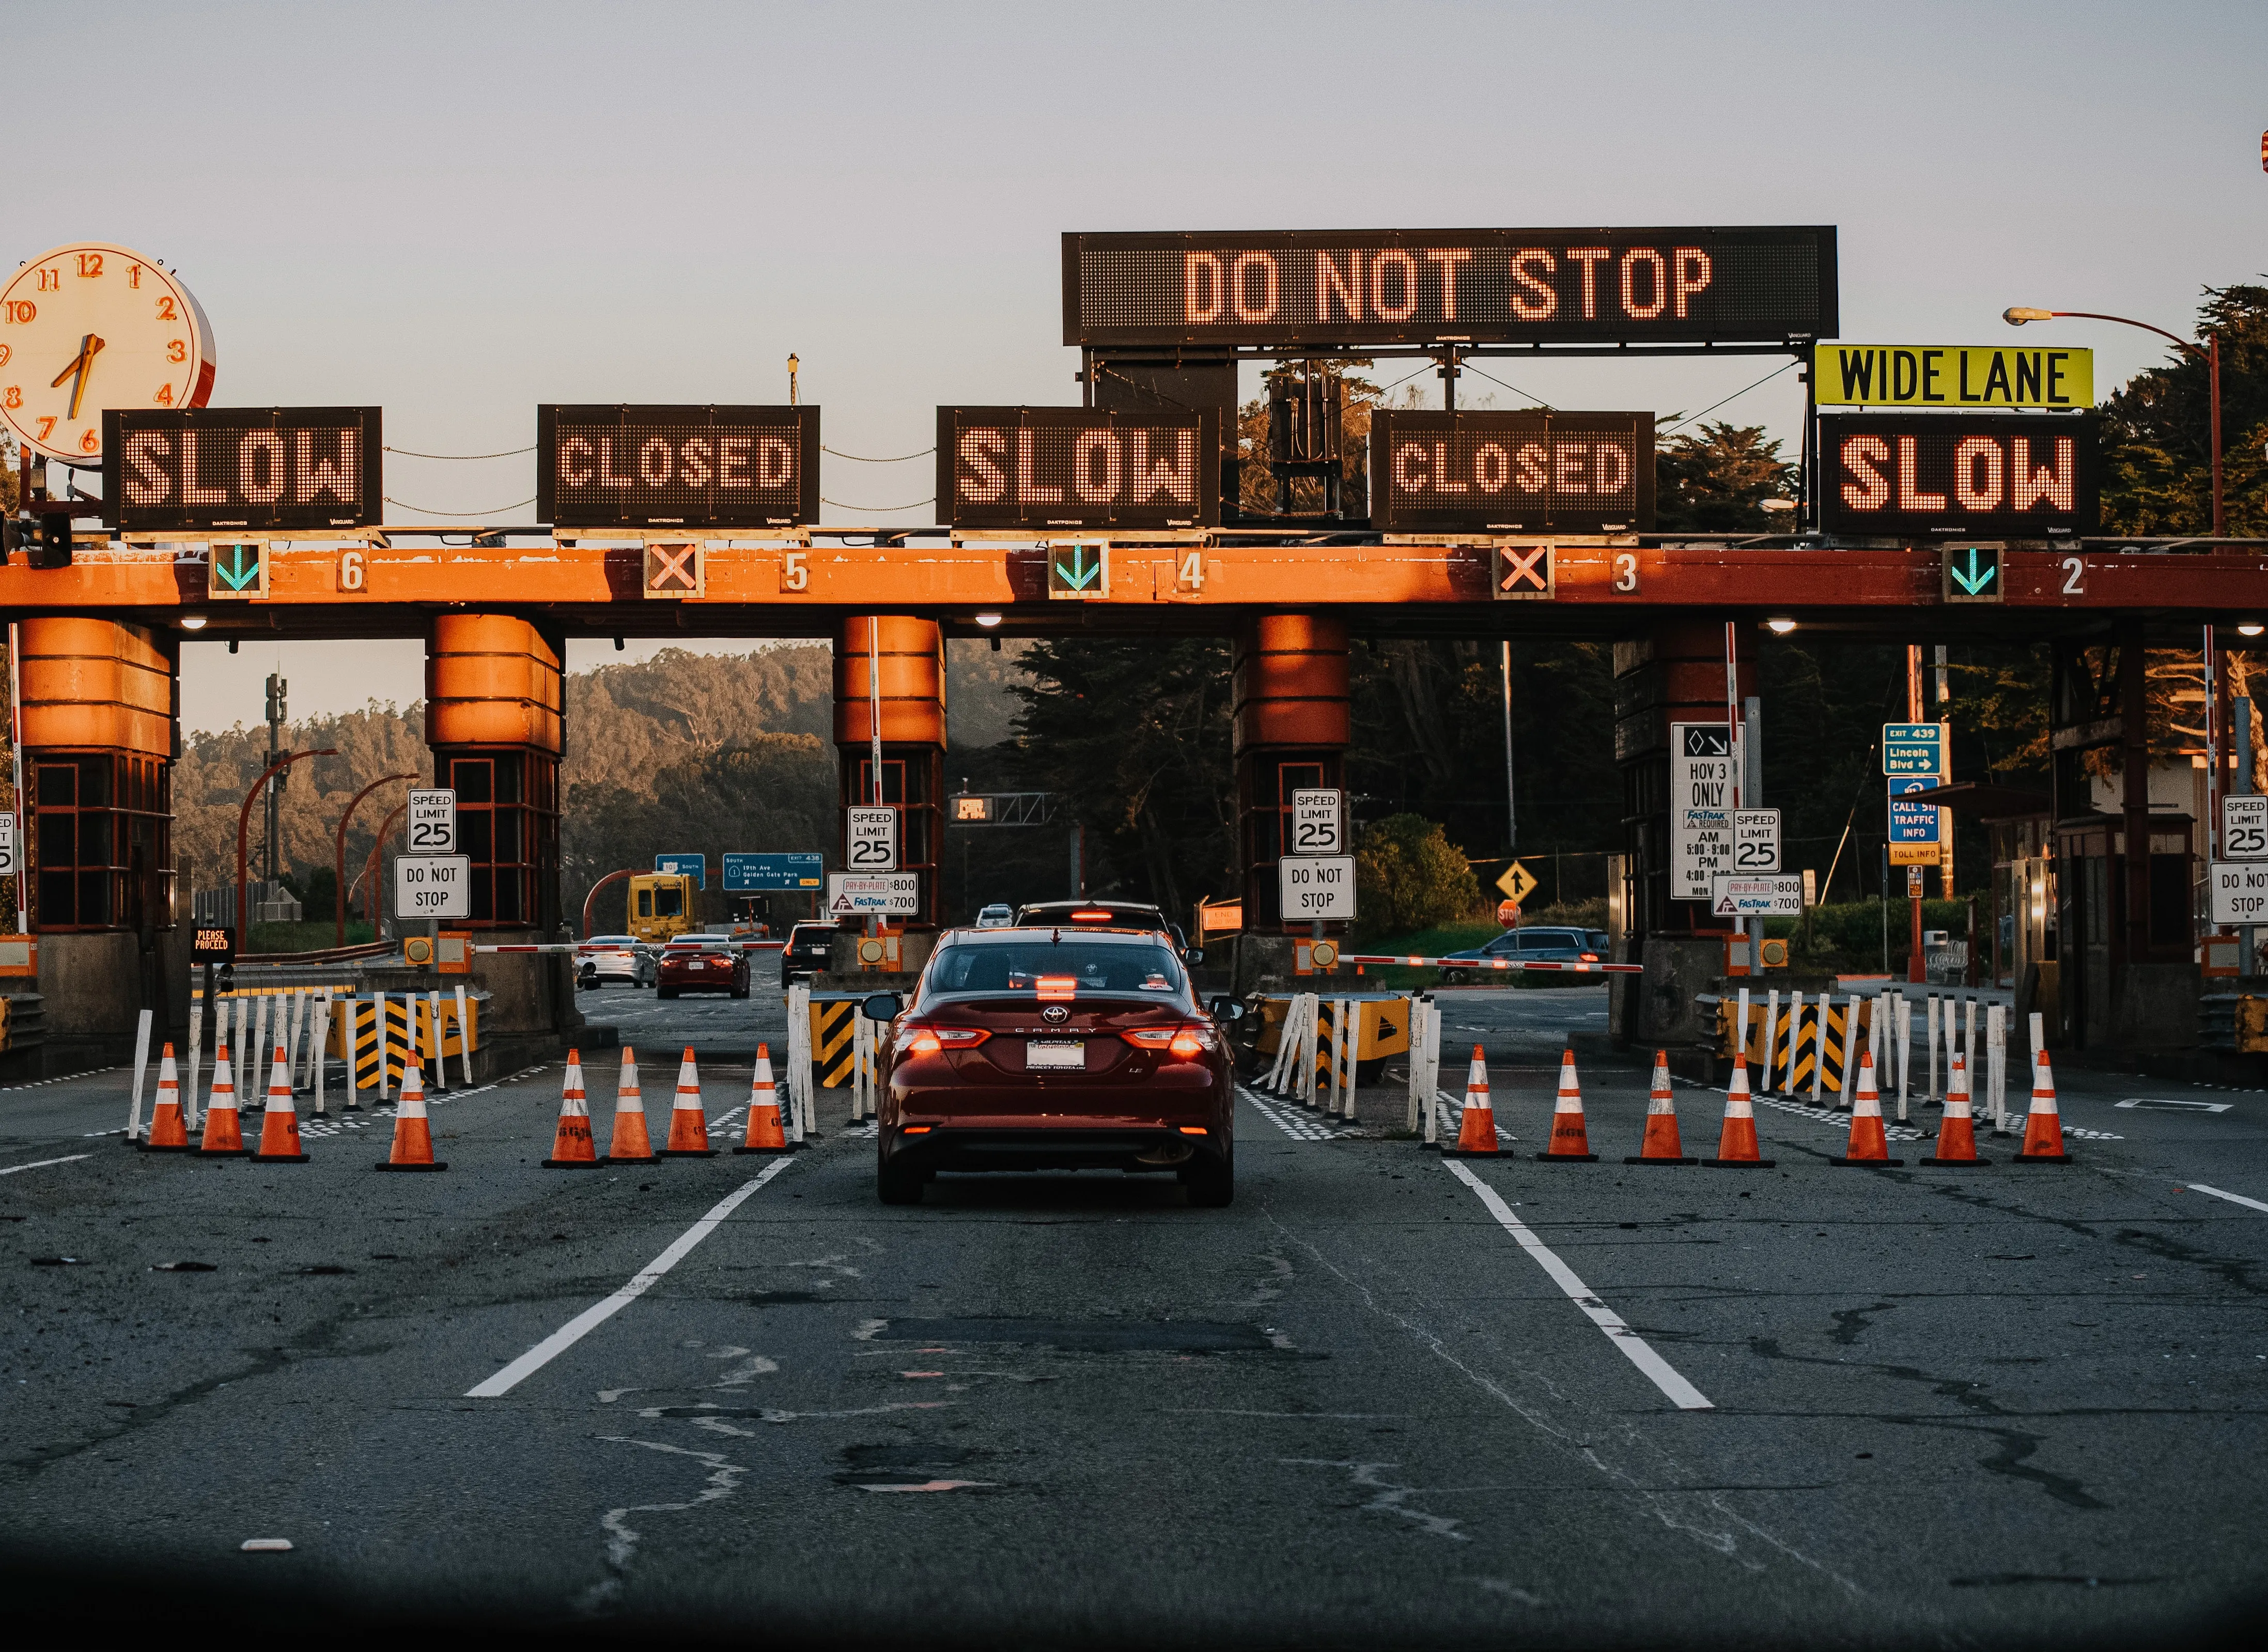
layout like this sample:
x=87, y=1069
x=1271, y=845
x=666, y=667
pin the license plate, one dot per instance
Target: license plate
x=696, y=966
x=1072, y=1055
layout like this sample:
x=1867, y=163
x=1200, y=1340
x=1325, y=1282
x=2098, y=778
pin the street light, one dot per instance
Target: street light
x=2016, y=315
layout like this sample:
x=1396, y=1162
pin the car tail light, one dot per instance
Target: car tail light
x=725, y=958
x=1090, y=918
x=1590, y=957
x=1057, y=987
x=1186, y=1043
x=929, y=1041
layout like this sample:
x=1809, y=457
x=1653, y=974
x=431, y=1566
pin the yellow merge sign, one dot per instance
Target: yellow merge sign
x=1518, y=882
x=1952, y=376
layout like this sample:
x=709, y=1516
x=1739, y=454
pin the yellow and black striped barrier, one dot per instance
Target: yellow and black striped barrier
x=1794, y=1040
x=356, y=1019
x=831, y=1019
x=1381, y=1027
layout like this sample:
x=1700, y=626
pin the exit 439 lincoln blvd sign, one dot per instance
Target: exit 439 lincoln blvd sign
x=1754, y=285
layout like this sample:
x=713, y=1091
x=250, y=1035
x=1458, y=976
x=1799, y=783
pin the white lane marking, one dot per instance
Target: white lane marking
x=40, y=1164
x=1640, y=1353
x=2234, y=1199
x=2154, y=1103
x=1291, y=1120
x=591, y=1318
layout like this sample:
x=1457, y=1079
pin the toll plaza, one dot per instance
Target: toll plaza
x=1976, y=518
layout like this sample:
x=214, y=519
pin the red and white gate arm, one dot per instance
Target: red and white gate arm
x=578, y=945
x=1496, y=964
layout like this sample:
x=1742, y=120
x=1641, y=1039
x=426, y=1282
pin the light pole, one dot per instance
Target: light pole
x=2210, y=355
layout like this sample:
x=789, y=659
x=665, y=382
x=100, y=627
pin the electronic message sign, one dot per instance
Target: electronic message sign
x=2012, y=475
x=292, y=467
x=677, y=466
x=1512, y=473
x=1044, y=467
x=1353, y=287
x=1953, y=376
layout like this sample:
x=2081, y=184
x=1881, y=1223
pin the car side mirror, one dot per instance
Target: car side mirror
x=1225, y=1008
x=1194, y=956
x=883, y=1007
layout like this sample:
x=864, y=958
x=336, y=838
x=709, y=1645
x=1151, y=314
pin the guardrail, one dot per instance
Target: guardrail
x=1538, y=965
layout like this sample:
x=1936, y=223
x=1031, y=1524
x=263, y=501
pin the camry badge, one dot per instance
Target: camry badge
x=1055, y=1013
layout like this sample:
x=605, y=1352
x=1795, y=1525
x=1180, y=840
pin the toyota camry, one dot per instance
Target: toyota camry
x=1054, y=1048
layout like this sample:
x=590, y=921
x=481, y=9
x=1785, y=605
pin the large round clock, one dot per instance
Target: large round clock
x=90, y=327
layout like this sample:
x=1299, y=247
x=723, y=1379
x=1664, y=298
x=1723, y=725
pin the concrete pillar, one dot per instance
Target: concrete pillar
x=896, y=665
x=1291, y=727
x=1675, y=674
x=100, y=734
x=493, y=717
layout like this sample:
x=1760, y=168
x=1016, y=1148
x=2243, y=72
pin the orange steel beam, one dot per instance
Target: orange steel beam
x=598, y=587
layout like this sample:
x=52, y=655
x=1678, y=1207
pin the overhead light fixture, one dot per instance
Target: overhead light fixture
x=1780, y=627
x=988, y=621
x=1776, y=505
x=193, y=621
x=2016, y=315
x=2251, y=629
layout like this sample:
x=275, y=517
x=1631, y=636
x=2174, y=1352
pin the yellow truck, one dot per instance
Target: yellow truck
x=664, y=905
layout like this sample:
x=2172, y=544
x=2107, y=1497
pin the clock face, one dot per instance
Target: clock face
x=90, y=327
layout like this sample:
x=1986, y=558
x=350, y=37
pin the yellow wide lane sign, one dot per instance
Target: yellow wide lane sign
x=1952, y=376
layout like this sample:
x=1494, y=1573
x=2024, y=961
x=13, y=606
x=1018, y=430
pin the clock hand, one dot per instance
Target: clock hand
x=79, y=363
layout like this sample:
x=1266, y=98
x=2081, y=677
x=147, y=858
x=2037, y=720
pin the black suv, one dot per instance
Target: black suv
x=807, y=951
x=1105, y=915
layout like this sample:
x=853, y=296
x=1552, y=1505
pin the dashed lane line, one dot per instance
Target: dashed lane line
x=42, y=1164
x=1635, y=1348
x=591, y=1317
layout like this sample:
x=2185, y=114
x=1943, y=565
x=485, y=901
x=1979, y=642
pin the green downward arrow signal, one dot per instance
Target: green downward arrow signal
x=1978, y=576
x=1079, y=573
x=236, y=575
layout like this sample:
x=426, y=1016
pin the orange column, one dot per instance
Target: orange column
x=1291, y=727
x=895, y=666
x=494, y=710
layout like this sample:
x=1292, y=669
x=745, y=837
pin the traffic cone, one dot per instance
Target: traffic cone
x=1868, y=1146
x=764, y=1132
x=279, y=1125
x=1736, y=1142
x=1569, y=1143
x=2043, y=1124
x=1956, y=1132
x=1476, y=1130
x=689, y=1125
x=1661, y=1145
x=224, y=1132
x=167, y=1131
x=630, y=1144
x=570, y=1147
x=413, y=1133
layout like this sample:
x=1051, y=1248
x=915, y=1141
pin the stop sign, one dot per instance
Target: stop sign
x=1508, y=914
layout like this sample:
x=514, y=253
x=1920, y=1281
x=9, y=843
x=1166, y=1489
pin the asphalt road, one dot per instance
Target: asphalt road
x=1363, y=1405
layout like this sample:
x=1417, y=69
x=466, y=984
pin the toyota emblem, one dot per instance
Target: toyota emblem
x=1056, y=1013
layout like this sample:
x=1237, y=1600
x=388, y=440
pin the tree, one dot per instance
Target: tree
x=2157, y=430
x=1714, y=480
x=1408, y=876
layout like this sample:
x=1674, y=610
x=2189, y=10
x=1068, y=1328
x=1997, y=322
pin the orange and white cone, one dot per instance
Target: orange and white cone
x=224, y=1130
x=413, y=1131
x=168, y=1132
x=1569, y=1143
x=279, y=1125
x=689, y=1125
x=2044, y=1123
x=1736, y=1142
x=1476, y=1130
x=1956, y=1132
x=570, y=1145
x=1869, y=1146
x=630, y=1144
x=1661, y=1145
x=764, y=1132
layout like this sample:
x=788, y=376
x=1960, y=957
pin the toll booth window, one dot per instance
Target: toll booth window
x=508, y=829
x=102, y=841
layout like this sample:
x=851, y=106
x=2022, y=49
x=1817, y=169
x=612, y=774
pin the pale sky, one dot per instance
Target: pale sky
x=457, y=211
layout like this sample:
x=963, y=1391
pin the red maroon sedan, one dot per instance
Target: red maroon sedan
x=1052, y=1048
x=703, y=963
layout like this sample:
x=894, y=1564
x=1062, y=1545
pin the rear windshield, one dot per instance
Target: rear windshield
x=1019, y=966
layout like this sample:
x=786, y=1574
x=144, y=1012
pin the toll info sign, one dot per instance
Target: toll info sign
x=1319, y=887
x=432, y=886
x=850, y=895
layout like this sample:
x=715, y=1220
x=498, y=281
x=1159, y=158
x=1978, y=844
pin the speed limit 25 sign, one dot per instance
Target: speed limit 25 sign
x=1318, y=826
x=870, y=840
x=433, y=821
x=2244, y=829
x=1755, y=841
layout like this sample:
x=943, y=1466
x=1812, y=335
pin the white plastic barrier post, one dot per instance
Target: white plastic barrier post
x=1996, y=1063
x=1771, y=1035
x=1819, y=1046
x=799, y=1062
x=1287, y=1044
x=1933, y=1047
x=433, y=1063
x=1794, y=1051
x=317, y=1039
x=1970, y=1041
x=1352, y=1048
x=141, y=1066
x=1905, y=1052
x=1414, y=1018
x=464, y=1036
x=1850, y=1054
x=1741, y=1027
x=256, y=1061
x=1310, y=1035
x=1433, y=1066
x=189, y=1085
x=289, y=1038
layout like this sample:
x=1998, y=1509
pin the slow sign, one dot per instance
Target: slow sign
x=677, y=466
x=2007, y=473
x=1533, y=473
x=1759, y=285
x=1024, y=466
x=254, y=467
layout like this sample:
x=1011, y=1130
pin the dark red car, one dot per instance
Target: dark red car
x=703, y=963
x=1054, y=1048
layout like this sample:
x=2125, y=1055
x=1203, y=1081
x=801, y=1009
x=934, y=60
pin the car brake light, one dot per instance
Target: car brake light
x=1190, y=1043
x=1187, y=1042
x=923, y=1042
x=928, y=1041
x=1090, y=918
x=1150, y=1037
x=1193, y=1130
x=1057, y=986
x=1590, y=957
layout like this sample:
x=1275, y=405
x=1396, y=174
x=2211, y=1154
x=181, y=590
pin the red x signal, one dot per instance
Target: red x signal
x=672, y=571
x=1523, y=573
